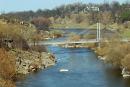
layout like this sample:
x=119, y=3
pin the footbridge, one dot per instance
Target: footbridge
x=75, y=42
x=67, y=42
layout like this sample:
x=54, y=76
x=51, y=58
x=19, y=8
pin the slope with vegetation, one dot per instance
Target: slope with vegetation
x=16, y=56
x=117, y=54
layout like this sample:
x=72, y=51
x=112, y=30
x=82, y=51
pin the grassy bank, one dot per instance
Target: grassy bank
x=88, y=26
x=70, y=25
x=76, y=25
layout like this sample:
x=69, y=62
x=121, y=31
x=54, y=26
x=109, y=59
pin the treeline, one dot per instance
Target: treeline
x=119, y=12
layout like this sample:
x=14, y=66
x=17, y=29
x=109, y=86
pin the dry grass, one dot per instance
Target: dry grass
x=7, y=83
x=74, y=37
x=7, y=65
x=102, y=51
x=115, y=53
x=38, y=48
x=126, y=62
x=18, y=34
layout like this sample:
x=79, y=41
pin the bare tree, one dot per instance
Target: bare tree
x=41, y=23
x=106, y=18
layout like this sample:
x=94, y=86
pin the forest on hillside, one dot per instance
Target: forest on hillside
x=118, y=12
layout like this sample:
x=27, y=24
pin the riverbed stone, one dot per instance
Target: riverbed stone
x=125, y=73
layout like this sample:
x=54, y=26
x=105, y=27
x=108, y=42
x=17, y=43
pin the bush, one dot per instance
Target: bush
x=89, y=36
x=117, y=52
x=74, y=37
x=6, y=83
x=115, y=55
x=38, y=48
x=102, y=51
x=126, y=62
x=17, y=34
x=7, y=65
x=125, y=16
x=41, y=23
x=56, y=33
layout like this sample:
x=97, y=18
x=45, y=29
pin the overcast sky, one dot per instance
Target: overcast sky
x=24, y=5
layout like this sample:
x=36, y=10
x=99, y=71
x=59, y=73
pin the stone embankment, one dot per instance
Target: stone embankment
x=27, y=62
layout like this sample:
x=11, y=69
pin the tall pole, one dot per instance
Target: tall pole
x=98, y=23
x=97, y=31
x=99, y=27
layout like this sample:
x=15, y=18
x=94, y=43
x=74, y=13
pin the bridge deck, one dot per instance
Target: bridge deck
x=67, y=42
x=74, y=42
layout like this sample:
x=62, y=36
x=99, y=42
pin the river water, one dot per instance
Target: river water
x=85, y=70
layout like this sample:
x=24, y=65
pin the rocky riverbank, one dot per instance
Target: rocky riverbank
x=27, y=62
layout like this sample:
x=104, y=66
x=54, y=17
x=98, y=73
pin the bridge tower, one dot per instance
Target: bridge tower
x=98, y=28
x=98, y=34
x=96, y=8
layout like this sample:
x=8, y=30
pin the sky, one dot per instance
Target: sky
x=25, y=5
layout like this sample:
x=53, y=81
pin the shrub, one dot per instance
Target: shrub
x=126, y=62
x=117, y=52
x=56, y=33
x=7, y=65
x=38, y=48
x=89, y=36
x=115, y=55
x=125, y=16
x=6, y=83
x=102, y=51
x=18, y=34
x=74, y=37
x=41, y=23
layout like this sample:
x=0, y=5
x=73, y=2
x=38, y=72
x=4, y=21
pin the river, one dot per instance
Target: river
x=85, y=70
